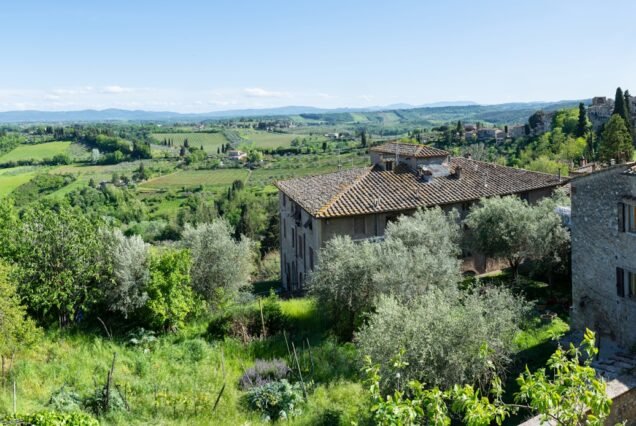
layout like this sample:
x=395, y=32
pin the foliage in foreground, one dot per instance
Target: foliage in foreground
x=419, y=253
x=51, y=418
x=276, y=400
x=447, y=336
x=567, y=393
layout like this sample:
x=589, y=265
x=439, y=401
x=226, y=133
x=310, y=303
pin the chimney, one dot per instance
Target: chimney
x=468, y=155
x=583, y=162
x=612, y=162
x=559, y=174
x=458, y=172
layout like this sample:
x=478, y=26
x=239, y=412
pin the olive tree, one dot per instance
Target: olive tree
x=509, y=228
x=128, y=259
x=447, y=336
x=221, y=265
x=419, y=252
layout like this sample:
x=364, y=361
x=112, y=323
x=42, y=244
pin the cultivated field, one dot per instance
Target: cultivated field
x=210, y=141
x=269, y=140
x=36, y=152
x=189, y=178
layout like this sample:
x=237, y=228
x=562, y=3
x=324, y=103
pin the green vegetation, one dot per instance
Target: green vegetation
x=210, y=141
x=36, y=152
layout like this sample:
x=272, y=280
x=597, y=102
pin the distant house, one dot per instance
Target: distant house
x=604, y=253
x=361, y=202
x=517, y=131
x=490, y=134
x=237, y=155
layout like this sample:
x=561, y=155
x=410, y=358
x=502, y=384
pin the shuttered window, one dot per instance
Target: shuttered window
x=630, y=220
x=620, y=282
x=621, y=217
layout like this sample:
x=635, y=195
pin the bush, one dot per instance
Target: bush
x=65, y=400
x=276, y=400
x=51, y=418
x=264, y=372
x=247, y=323
x=448, y=336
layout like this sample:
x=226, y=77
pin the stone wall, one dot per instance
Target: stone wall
x=598, y=248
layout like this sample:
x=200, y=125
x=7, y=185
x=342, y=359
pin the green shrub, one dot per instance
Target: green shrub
x=220, y=326
x=276, y=400
x=51, y=418
x=65, y=400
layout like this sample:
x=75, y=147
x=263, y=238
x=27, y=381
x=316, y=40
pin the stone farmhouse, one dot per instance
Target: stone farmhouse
x=361, y=202
x=604, y=253
x=602, y=108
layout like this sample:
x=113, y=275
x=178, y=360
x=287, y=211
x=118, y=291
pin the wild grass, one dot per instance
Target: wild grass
x=176, y=379
x=12, y=178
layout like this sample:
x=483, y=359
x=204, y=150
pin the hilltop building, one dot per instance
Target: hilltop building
x=403, y=177
x=604, y=253
x=602, y=108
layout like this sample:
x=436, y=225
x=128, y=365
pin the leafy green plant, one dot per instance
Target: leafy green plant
x=568, y=393
x=51, y=418
x=276, y=400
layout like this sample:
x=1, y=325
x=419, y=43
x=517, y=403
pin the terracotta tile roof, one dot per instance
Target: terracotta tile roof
x=409, y=150
x=373, y=190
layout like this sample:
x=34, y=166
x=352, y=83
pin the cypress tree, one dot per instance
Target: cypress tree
x=620, y=107
x=581, y=127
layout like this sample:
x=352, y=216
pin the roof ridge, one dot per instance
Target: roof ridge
x=341, y=193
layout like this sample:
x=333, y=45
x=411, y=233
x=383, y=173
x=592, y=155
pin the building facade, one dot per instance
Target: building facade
x=403, y=177
x=604, y=253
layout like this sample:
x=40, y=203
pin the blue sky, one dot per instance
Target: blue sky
x=195, y=56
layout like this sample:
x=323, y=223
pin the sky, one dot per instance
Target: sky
x=200, y=56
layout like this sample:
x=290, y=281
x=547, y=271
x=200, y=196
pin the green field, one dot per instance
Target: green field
x=36, y=152
x=210, y=141
x=10, y=179
x=269, y=140
x=188, y=178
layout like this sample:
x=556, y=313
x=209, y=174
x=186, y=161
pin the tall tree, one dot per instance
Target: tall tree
x=58, y=263
x=616, y=141
x=581, y=127
x=621, y=108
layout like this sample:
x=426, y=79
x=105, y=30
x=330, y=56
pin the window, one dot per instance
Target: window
x=284, y=229
x=311, y=258
x=284, y=200
x=300, y=246
x=620, y=282
x=630, y=222
x=630, y=277
x=627, y=217
x=625, y=279
x=358, y=225
x=388, y=165
x=293, y=238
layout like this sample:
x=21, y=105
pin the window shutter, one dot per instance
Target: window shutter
x=621, y=217
x=620, y=282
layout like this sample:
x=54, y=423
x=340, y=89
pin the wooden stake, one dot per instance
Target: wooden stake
x=15, y=399
x=300, y=374
x=263, y=332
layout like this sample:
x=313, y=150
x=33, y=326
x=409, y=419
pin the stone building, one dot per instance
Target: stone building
x=403, y=177
x=604, y=253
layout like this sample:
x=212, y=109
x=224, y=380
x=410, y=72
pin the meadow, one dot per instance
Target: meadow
x=268, y=140
x=191, y=178
x=12, y=178
x=36, y=152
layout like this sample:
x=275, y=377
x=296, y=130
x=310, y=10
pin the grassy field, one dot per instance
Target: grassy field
x=10, y=179
x=269, y=140
x=177, y=379
x=36, y=152
x=189, y=178
x=210, y=141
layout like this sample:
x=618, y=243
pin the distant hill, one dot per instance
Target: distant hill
x=403, y=113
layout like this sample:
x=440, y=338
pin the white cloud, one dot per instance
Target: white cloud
x=116, y=90
x=257, y=92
